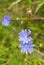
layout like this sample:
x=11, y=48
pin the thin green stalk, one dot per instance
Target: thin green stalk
x=39, y=6
x=16, y=2
x=41, y=60
x=42, y=54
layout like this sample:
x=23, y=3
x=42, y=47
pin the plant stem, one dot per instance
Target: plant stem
x=42, y=54
x=34, y=18
x=16, y=2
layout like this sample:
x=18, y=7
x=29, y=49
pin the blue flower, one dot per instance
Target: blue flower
x=6, y=21
x=26, y=48
x=26, y=44
x=25, y=33
x=25, y=39
x=24, y=36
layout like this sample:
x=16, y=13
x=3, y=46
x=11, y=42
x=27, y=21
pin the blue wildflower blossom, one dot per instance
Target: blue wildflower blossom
x=6, y=21
x=23, y=36
x=26, y=44
x=26, y=48
x=25, y=33
x=25, y=39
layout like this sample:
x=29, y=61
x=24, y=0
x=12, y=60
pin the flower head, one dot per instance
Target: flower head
x=25, y=33
x=6, y=21
x=26, y=48
x=26, y=44
x=23, y=36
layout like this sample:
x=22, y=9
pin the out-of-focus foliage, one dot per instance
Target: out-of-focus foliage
x=9, y=51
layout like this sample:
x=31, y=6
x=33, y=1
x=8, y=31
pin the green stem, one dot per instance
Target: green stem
x=42, y=54
x=39, y=6
x=41, y=60
x=16, y=2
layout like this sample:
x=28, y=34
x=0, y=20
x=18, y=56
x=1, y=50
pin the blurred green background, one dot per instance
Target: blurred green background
x=25, y=10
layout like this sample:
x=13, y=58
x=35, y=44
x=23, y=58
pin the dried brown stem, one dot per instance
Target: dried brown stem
x=34, y=18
